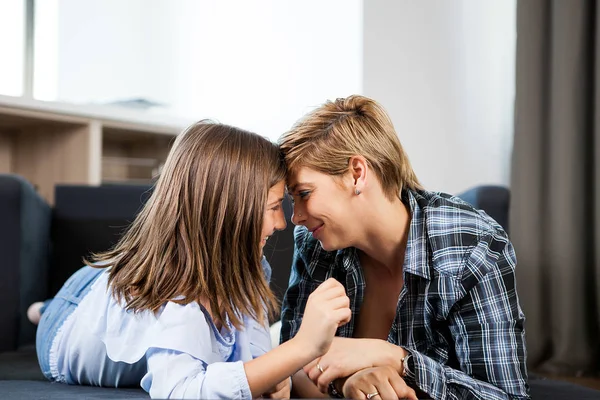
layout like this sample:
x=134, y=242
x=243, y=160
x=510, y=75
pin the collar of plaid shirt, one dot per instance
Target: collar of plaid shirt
x=346, y=263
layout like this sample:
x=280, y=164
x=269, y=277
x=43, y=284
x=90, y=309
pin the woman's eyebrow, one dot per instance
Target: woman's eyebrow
x=295, y=186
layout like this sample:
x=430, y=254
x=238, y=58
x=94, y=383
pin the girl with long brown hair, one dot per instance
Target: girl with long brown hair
x=180, y=304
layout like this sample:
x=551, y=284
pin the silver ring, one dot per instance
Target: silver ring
x=320, y=368
x=371, y=395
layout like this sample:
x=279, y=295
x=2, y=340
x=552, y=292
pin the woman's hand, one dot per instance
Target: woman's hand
x=280, y=391
x=378, y=383
x=347, y=356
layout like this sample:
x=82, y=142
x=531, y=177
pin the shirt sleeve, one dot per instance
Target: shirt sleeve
x=487, y=325
x=259, y=337
x=176, y=375
x=300, y=286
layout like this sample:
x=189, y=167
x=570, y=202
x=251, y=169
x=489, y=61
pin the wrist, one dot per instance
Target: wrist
x=305, y=347
x=396, y=356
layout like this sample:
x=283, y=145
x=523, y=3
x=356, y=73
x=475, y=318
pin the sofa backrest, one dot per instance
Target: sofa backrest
x=493, y=199
x=89, y=219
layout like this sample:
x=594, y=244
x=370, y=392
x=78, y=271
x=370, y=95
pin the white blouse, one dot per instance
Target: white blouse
x=175, y=353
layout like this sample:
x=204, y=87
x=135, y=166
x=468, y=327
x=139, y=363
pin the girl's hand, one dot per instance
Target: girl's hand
x=347, y=356
x=280, y=391
x=378, y=383
x=327, y=309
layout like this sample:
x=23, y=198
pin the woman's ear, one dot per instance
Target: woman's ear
x=359, y=169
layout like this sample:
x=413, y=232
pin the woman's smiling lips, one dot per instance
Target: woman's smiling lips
x=316, y=231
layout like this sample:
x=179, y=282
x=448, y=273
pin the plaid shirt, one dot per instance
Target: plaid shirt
x=458, y=313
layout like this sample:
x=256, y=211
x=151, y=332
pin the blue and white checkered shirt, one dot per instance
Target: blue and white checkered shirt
x=458, y=314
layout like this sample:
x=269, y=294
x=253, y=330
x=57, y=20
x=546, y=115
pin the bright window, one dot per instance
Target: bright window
x=259, y=65
x=12, y=46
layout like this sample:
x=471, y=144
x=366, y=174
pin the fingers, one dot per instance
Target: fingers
x=402, y=390
x=328, y=290
x=281, y=391
x=329, y=283
x=369, y=393
x=329, y=374
x=323, y=384
x=281, y=385
x=340, y=302
x=386, y=391
x=311, y=365
x=314, y=372
x=355, y=393
x=343, y=316
x=319, y=375
x=378, y=383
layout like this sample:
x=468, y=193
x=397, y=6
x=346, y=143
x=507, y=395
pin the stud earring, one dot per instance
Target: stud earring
x=299, y=214
x=357, y=192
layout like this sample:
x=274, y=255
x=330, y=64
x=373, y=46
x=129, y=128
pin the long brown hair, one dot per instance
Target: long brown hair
x=198, y=236
x=327, y=137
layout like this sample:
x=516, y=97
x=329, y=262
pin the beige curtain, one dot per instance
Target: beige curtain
x=555, y=184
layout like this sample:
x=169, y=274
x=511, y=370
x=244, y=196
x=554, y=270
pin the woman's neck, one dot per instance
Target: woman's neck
x=385, y=235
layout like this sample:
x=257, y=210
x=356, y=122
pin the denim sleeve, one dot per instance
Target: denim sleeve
x=175, y=375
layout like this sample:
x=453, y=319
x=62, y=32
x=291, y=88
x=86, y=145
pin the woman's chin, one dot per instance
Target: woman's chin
x=327, y=246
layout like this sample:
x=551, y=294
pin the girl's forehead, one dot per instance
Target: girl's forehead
x=278, y=189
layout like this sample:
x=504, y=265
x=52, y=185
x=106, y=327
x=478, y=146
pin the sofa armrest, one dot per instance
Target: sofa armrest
x=24, y=250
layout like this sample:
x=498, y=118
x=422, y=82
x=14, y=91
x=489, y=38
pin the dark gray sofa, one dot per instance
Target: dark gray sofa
x=41, y=246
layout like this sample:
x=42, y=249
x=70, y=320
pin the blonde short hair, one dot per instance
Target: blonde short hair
x=326, y=138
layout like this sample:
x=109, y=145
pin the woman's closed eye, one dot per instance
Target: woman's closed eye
x=303, y=194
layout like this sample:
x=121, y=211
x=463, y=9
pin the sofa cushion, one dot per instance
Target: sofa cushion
x=49, y=390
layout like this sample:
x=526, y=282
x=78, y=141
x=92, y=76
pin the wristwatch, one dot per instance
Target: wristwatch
x=406, y=372
x=333, y=392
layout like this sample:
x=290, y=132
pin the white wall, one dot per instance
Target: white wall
x=260, y=65
x=444, y=70
x=12, y=41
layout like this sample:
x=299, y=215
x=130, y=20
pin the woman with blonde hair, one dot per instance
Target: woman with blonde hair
x=431, y=280
x=180, y=304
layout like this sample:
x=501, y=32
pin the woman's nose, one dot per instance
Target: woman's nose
x=298, y=218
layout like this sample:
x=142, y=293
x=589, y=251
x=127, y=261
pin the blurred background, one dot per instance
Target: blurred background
x=443, y=70
x=496, y=93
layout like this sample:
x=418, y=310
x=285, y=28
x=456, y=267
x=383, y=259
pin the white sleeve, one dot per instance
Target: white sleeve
x=259, y=336
x=176, y=375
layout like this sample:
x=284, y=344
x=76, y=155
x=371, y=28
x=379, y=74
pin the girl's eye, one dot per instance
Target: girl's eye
x=276, y=208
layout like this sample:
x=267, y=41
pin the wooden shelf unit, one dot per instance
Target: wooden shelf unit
x=50, y=143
